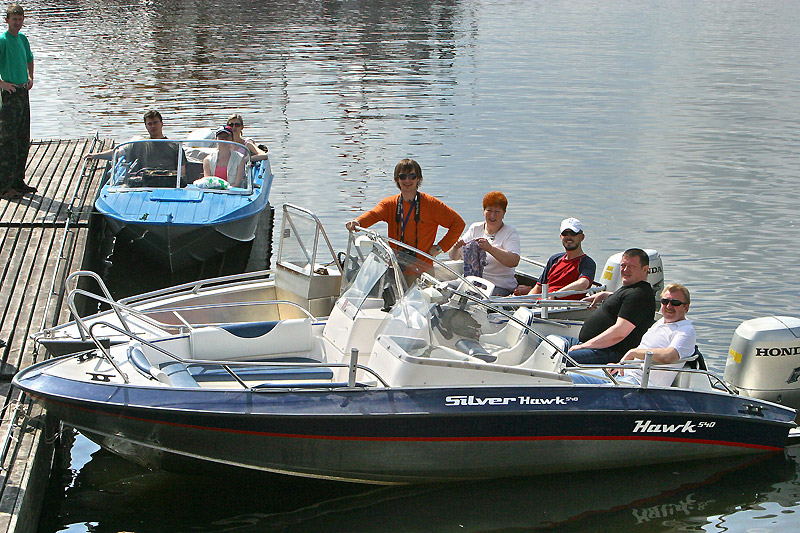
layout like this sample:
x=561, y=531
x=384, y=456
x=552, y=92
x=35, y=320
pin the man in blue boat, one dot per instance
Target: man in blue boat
x=618, y=325
x=570, y=270
x=669, y=340
x=16, y=79
x=148, y=156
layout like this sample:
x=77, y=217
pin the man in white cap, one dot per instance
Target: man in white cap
x=571, y=270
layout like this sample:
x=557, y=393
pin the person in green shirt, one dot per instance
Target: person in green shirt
x=16, y=79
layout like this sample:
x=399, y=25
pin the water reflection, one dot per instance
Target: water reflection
x=111, y=493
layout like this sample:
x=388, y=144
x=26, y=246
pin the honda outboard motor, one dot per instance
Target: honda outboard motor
x=764, y=359
x=612, y=277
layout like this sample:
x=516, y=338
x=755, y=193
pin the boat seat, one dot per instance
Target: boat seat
x=178, y=375
x=546, y=357
x=203, y=373
x=139, y=360
x=512, y=342
x=248, y=340
x=691, y=380
x=475, y=349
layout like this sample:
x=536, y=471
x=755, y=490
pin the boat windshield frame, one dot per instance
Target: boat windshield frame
x=127, y=173
x=370, y=271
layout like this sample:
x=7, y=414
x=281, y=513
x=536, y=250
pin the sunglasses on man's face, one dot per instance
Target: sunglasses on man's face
x=410, y=176
x=675, y=303
x=235, y=124
x=568, y=233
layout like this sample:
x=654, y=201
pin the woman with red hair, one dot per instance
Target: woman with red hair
x=499, y=240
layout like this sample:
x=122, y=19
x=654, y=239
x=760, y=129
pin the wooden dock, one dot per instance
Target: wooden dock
x=42, y=239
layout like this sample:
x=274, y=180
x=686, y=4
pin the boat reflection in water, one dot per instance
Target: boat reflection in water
x=690, y=495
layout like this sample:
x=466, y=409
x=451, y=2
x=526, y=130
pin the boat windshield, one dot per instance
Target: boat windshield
x=371, y=275
x=161, y=163
x=409, y=322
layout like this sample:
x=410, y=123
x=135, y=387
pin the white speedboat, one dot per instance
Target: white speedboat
x=385, y=391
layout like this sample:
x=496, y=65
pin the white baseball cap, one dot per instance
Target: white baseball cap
x=572, y=224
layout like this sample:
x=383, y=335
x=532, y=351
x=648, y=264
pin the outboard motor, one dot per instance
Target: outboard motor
x=764, y=359
x=612, y=278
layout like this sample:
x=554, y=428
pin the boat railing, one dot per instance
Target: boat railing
x=533, y=262
x=545, y=300
x=176, y=311
x=123, y=310
x=229, y=366
x=715, y=382
x=196, y=287
x=124, y=304
x=108, y=299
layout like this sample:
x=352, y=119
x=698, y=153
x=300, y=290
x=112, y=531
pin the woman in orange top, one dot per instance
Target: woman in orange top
x=413, y=216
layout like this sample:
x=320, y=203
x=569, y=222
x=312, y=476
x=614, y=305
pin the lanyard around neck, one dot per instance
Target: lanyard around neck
x=403, y=220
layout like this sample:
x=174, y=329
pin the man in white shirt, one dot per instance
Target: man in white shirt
x=669, y=340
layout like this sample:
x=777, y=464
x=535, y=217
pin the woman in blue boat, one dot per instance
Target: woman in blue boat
x=225, y=162
x=236, y=124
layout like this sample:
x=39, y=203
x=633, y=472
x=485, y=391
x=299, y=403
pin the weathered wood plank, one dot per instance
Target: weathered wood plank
x=42, y=240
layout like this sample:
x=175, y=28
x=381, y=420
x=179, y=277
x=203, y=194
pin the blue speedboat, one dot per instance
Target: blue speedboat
x=156, y=196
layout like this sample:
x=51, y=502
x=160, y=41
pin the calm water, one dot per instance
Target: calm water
x=668, y=125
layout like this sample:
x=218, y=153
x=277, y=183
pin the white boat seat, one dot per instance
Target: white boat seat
x=546, y=357
x=246, y=340
x=512, y=342
x=178, y=376
x=691, y=380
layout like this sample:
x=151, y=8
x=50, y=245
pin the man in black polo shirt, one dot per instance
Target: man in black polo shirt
x=618, y=325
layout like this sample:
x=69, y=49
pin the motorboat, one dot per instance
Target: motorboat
x=396, y=386
x=156, y=196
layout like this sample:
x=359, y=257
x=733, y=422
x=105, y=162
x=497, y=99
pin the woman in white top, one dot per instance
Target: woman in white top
x=236, y=124
x=499, y=240
x=225, y=163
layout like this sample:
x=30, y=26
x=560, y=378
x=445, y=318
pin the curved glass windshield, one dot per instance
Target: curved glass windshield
x=158, y=163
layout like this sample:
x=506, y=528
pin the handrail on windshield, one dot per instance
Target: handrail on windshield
x=224, y=364
x=532, y=261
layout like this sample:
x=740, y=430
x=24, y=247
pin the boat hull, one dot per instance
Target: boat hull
x=412, y=435
x=180, y=246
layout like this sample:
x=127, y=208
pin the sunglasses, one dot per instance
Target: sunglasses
x=235, y=124
x=569, y=233
x=411, y=176
x=675, y=303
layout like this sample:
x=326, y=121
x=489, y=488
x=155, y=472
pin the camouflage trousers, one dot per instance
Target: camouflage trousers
x=15, y=138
